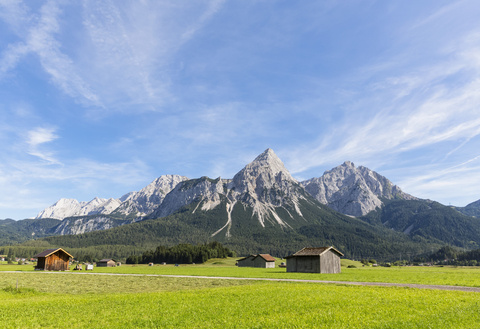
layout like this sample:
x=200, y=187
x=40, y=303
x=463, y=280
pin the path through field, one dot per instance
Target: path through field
x=381, y=284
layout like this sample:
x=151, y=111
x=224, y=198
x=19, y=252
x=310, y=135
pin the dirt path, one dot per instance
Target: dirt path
x=379, y=284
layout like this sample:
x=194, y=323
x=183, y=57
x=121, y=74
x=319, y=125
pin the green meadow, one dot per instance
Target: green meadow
x=79, y=301
x=434, y=275
x=55, y=300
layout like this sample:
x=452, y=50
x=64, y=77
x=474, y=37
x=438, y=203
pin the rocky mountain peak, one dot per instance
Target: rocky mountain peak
x=353, y=191
x=149, y=198
x=268, y=161
x=264, y=172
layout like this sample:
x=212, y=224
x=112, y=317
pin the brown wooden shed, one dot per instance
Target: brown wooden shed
x=107, y=263
x=315, y=260
x=53, y=260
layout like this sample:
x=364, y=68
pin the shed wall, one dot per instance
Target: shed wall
x=308, y=264
x=248, y=262
x=54, y=262
x=330, y=263
x=305, y=264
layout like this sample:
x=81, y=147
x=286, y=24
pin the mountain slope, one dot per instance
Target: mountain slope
x=422, y=218
x=64, y=208
x=148, y=199
x=12, y=231
x=318, y=226
x=353, y=191
x=133, y=204
x=472, y=209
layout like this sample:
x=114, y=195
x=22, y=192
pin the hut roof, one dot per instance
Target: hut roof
x=48, y=252
x=106, y=260
x=315, y=251
x=267, y=257
x=252, y=256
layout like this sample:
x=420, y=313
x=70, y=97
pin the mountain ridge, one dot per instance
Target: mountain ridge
x=264, y=208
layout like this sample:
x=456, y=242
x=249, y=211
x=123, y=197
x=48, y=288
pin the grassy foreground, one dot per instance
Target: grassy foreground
x=248, y=305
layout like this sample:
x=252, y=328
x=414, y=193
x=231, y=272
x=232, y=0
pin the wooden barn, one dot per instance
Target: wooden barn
x=106, y=263
x=315, y=260
x=246, y=261
x=53, y=260
x=261, y=260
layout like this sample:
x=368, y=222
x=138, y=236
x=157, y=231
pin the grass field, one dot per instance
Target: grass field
x=79, y=301
x=454, y=276
x=55, y=300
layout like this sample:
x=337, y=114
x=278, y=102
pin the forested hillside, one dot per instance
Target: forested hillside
x=12, y=231
x=421, y=219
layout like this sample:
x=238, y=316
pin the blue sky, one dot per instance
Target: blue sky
x=98, y=98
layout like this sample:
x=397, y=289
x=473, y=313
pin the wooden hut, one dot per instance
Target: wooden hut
x=106, y=263
x=261, y=260
x=53, y=260
x=315, y=260
x=246, y=261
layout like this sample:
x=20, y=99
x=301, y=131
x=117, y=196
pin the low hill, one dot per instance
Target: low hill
x=12, y=231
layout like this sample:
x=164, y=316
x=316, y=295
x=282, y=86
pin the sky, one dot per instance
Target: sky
x=99, y=98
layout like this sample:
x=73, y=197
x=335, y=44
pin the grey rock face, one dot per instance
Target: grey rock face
x=82, y=225
x=263, y=184
x=141, y=203
x=148, y=199
x=70, y=207
x=353, y=191
x=186, y=192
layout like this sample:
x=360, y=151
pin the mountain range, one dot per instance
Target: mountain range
x=263, y=208
x=346, y=189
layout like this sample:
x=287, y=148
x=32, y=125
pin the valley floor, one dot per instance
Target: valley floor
x=356, y=283
x=154, y=298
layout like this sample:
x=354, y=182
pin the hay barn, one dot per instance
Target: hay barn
x=315, y=260
x=53, y=260
x=106, y=263
x=261, y=260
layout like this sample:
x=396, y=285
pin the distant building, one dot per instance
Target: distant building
x=261, y=260
x=315, y=260
x=106, y=263
x=53, y=260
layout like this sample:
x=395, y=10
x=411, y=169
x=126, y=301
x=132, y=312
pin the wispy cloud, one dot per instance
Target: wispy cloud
x=39, y=38
x=40, y=136
x=423, y=107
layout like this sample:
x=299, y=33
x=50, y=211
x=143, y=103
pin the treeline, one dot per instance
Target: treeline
x=182, y=254
x=452, y=256
x=87, y=254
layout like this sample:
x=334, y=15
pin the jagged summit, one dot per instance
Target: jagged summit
x=353, y=191
x=269, y=159
x=264, y=172
x=70, y=207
